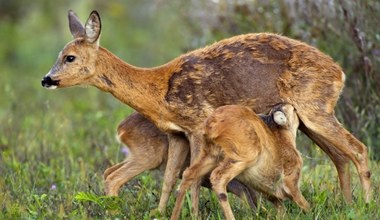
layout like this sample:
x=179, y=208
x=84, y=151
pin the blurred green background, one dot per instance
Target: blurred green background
x=65, y=138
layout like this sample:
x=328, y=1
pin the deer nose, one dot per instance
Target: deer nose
x=47, y=82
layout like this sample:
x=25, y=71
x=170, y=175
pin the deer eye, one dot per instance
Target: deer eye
x=69, y=59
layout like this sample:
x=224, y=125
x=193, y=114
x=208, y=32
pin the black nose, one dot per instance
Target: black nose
x=47, y=81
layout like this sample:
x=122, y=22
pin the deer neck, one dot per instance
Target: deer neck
x=143, y=89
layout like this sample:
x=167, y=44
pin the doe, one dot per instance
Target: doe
x=256, y=70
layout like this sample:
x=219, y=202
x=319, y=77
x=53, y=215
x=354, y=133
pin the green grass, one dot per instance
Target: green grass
x=55, y=147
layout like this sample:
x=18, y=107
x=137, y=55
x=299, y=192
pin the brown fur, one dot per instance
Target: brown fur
x=254, y=70
x=260, y=153
x=148, y=149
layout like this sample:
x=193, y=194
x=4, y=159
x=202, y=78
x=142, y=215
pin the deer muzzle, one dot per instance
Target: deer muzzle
x=49, y=83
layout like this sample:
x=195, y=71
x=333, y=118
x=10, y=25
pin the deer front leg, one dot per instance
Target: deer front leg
x=197, y=147
x=177, y=153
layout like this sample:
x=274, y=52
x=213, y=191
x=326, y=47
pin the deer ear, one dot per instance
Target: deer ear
x=76, y=28
x=93, y=27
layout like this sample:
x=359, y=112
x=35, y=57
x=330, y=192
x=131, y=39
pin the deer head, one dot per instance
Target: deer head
x=76, y=63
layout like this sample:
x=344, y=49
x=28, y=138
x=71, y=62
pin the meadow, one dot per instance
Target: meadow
x=55, y=145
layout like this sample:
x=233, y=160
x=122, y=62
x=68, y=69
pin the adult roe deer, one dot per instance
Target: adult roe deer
x=148, y=149
x=259, y=150
x=254, y=70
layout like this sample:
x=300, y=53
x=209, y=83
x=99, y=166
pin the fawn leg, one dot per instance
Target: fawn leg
x=237, y=188
x=341, y=144
x=110, y=170
x=177, y=153
x=128, y=169
x=220, y=177
x=201, y=166
x=242, y=191
x=292, y=190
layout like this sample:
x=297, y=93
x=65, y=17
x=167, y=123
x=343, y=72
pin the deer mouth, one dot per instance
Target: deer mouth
x=49, y=83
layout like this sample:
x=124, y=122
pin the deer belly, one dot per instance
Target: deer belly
x=267, y=179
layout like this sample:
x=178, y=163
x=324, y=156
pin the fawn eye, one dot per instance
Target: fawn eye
x=69, y=59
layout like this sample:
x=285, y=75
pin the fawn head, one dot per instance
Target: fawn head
x=285, y=116
x=77, y=61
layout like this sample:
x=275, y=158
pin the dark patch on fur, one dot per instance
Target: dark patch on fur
x=222, y=197
x=187, y=84
x=368, y=174
x=244, y=71
x=105, y=79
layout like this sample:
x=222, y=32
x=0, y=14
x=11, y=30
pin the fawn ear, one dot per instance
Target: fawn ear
x=280, y=118
x=93, y=27
x=76, y=28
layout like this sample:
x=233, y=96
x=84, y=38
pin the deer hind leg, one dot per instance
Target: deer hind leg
x=110, y=170
x=124, y=172
x=340, y=160
x=340, y=145
x=201, y=166
x=177, y=153
x=220, y=177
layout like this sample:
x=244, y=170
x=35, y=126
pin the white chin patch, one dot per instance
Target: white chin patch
x=51, y=87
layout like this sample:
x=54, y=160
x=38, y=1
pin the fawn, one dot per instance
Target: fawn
x=254, y=70
x=148, y=149
x=259, y=150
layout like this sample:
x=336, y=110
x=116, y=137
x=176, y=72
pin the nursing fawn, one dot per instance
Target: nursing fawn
x=260, y=151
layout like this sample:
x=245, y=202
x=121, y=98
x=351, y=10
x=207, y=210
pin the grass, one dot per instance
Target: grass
x=55, y=147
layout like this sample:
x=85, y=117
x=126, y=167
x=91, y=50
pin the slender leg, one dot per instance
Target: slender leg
x=243, y=192
x=340, y=160
x=197, y=145
x=110, y=170
x=292, y=189
x=177, y=153
x=220, y=177
x=237, y=188
x=122, y=175
x=192, y=174
x=340, y=144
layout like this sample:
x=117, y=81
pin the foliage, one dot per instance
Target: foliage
x=55, y=145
